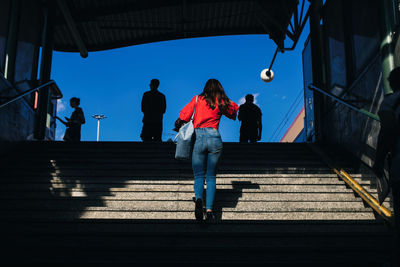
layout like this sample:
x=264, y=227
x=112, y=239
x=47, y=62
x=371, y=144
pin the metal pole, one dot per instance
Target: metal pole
x=11, y=49
x=317, y=63
x=272, y=62
x=45, y=72
x=98, y=129
x=98, y=118
x=387, y=50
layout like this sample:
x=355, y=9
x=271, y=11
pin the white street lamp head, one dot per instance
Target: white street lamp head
x=267, y=75
x=99, y=117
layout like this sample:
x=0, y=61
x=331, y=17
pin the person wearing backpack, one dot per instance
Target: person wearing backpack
x=389, y=145
x=211, y=104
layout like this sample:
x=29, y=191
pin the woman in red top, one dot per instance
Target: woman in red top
x=212, y=103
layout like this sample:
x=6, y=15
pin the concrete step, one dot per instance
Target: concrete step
x=180, y=176
x=162, y=150
x=235, y=181
x=172, y=227
x=43, y=162
x=164, y=165
x=303, y=250
x=123, y=202
x=165, y=171
x=50, y=215
x=214, y=241
x=134, y=255
x=175, y=205
x=176, y=188
x=170, y=145
x=231, y=154
x=347, y=196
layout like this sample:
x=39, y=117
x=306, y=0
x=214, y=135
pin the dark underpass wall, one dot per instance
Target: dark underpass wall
x=17, y=119
x=352, y=36
x=351, y=130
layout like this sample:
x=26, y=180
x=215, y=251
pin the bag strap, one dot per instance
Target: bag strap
x=194, y=110
x=176, y=137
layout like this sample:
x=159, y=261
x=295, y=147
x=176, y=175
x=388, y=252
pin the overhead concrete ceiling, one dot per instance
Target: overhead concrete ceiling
x=107, y=24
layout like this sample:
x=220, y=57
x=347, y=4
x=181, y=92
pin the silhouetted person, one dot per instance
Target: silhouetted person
x=389, y=142
x=153, y=108
x=250, y=116
x=73, y=131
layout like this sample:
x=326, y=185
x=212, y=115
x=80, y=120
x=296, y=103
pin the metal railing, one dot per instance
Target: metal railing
x=21, y=95
x=369, y=199
x=352, y=183
x=344, y=102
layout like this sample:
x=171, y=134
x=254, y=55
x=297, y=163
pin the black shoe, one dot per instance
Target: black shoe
x=198, y=211
x=210, y=217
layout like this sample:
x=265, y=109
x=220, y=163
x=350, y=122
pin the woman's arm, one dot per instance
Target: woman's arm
x=187, y=111
x=63, y=122
x=232, y=110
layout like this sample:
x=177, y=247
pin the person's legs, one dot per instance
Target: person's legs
x=198, y=165
x=157, y=132
x=253, y=134
x=214, y=144
x=243, y=137
x=244, y=134
x=145, y=135
x=75, y=134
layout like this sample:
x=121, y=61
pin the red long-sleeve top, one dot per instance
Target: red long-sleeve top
x=204, y=116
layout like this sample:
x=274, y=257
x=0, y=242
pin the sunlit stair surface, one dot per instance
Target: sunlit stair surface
x=129, y=202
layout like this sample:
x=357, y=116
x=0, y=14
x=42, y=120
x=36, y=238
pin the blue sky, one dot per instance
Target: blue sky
x=112, y=82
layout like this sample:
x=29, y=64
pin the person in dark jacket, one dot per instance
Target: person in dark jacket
x=389, y=144
x=153, y=108
x=74, y=123
x=250, y=116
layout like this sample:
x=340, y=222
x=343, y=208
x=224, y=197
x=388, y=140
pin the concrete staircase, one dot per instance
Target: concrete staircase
x=132, y=203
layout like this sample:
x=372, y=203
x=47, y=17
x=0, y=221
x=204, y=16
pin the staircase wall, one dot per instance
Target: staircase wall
x=17, y=119
x=351, y=130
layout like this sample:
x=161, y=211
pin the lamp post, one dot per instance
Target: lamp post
x=98, y=118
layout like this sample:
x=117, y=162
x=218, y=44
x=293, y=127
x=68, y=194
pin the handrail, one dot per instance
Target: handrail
x=371, y=201
x=342, y=101
x=21, y=95
x=381, y=210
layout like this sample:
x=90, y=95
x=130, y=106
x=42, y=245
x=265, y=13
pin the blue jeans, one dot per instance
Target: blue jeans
x=207, y=151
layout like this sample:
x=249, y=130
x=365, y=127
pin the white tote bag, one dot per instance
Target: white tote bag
x=184, y=138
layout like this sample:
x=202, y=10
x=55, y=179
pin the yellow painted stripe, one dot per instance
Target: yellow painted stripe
x=373, y=202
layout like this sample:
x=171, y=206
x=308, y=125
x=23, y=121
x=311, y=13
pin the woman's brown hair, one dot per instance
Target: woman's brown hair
x=214, y=93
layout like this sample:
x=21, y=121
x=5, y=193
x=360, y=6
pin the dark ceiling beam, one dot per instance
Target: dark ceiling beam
x=72, y=28
x=164, y=37
x=184, y=18
x=92, y=14
x=267, y=18
x=291, y=35
x=296, y=17
x=272, y=18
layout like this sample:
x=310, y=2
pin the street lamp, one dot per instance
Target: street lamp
x=98, y=118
